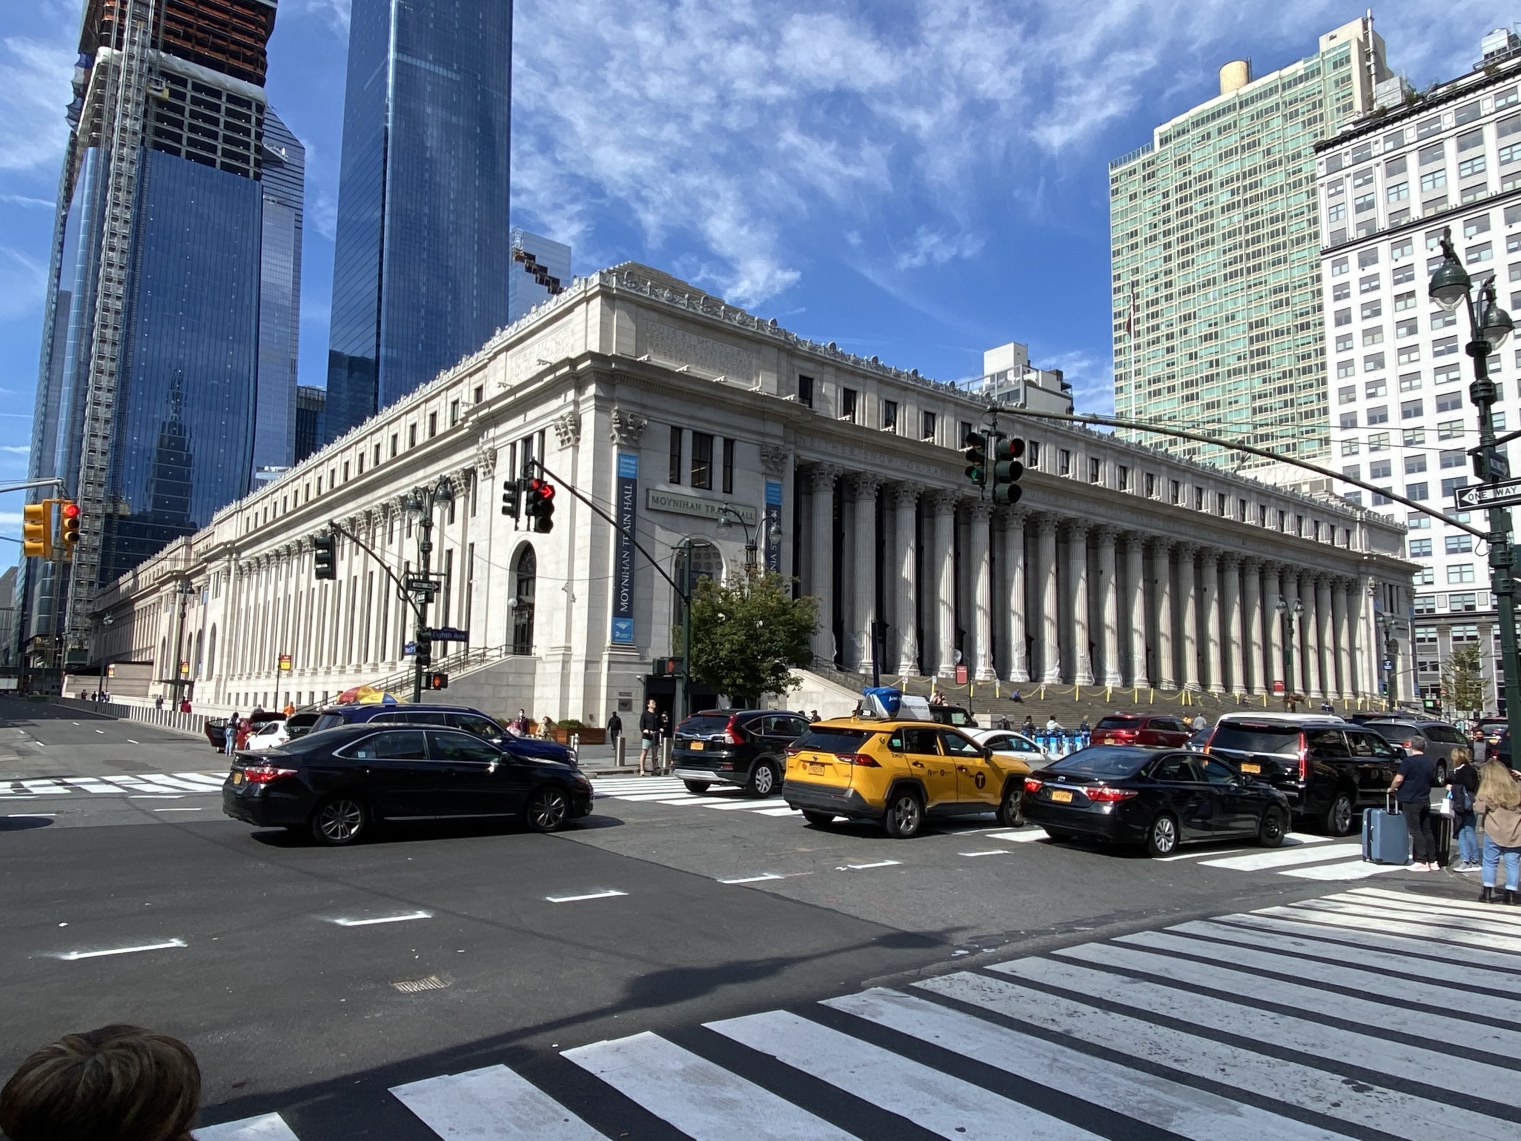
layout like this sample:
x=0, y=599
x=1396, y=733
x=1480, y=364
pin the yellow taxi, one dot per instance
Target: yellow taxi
x=900, y=773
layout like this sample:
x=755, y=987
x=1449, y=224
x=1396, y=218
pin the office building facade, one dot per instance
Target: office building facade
x=1388, y=188
x=422, y=254
x=540, y=270
x=171, y=313
x=1214, y=256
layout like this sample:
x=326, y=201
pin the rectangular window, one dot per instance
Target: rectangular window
x=1380, y=469
x=1450, y=486
x=848, y=404
x=1372, y=309
x=1434, y=180
x=1344, y=343
x=1414, y=465
x=1348, y=420
x=411, y=435
x=1378, y=414
x=1420, y=548
x=1122, y=477
x=1363, y=203
x=1368, y=284
x=1444, y=346
x=1345, y=369
x=1373, y=362
x=926, y=425
x=1449, y=429
x=675, y=467
x=1409, y=327
x=1175, y=492
x=1415, y=491
x=1408, y=354
x=1397, y=192
x=1378, y=442
x=1460, y=574
x=1414, y=437
x=1449, y=402
x=1095, y=470
x=1374, y=389
x=890, y=415
x=1462, y=603
x=1473, y=227
x=1450, y=458
x=432, y=424
x=728, y=467
x=1404, y=301
x=1337, y=212
x=1410, y=409
x=702, y=460
x=1402, y=248
x=1339, y=267
x=1458, y=544
x=1341, y=291
x=805, y=390
x=1063, y=461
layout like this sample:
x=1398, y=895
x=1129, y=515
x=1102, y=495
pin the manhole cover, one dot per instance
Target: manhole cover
x=417, y=986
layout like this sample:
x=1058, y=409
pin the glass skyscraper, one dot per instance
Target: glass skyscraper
x=422, y=253
x=540, y=270
x=169, y=355
x=1215, y=256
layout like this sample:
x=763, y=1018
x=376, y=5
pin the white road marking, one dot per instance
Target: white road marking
x=864, y=867
x=266, y=1127
x=44, y=787
x=992, y=852
x=1023, y=836
x=153, y=796
x=1173, y=1106
x=18, y=796
x=75, y=956
x=583, y=898
x=939, y=1102
x=179, y=810
x=492, y=1102
x=29, y=815
x=697, y=1097
x=774, y=811
x=1351, y=870
x=753, y=879
x=102, y=732
x=1285, y=857
x=383, y=919
x=752, y=805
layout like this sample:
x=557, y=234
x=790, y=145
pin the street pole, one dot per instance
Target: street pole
x=1286, y=614
x=1489, y=326
x=686, y=635
x=420, y=503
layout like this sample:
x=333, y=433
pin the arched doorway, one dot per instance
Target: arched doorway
x=525, y=573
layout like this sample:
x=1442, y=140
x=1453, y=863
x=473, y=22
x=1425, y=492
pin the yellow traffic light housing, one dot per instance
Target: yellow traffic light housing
x=37, y=530
x=68, y=526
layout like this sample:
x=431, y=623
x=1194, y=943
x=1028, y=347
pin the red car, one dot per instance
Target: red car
x=1154, y=730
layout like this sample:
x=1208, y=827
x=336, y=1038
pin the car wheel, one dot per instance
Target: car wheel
x=763, y=779
x=818, y=819
x=1339, y=816
x=1271, y=830
x=548, y=808
x=1011, y=813
x=904, y=816
x=696, y=787
x=340, y=820
x=1162, y=838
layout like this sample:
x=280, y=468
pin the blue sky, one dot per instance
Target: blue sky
x=917, y=180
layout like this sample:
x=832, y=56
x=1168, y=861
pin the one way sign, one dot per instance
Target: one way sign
x=1503, y=494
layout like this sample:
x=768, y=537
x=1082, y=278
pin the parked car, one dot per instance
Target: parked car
x=270, y=735
x=953, y=715
x=456, y=716
x=1007, y=743
x=1160, y=800
x=744, y=747
x=300, y=724
x=1330, y=769
x=1154, y=730
x=336, y=785
x=215, y=728
x=1438, y=740
x=899, y=773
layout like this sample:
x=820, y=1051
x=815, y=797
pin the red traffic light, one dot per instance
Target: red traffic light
x=71, y=511
x=547, y=490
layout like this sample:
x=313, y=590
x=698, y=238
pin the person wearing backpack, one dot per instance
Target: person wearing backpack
x=1463, y=788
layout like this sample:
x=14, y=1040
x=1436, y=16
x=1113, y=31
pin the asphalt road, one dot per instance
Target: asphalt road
x=301, y=974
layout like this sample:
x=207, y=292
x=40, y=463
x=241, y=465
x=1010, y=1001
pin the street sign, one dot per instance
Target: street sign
x=1388, y=663
x=1503, y=494
x=450, y=634
x=285, y=663
x=1499, y=465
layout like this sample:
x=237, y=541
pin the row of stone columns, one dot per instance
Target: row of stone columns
x=1043, y=597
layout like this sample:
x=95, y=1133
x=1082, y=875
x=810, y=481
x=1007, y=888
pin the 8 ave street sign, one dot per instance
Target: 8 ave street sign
x=1504, y=494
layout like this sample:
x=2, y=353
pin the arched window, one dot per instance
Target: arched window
x=211, y=653
x=525, y=573
x=707, y=562
x=200, y=647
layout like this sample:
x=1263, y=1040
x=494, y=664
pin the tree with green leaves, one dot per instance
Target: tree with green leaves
x=749, y=634
x=1463, y=687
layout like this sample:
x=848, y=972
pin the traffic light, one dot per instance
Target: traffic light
x=422, y=653
x=68, y=526
x=539, y=506
x=976, y=454
x=1008, y=454
x=37, y=530
x=512, y=498
x=322, y=556
x=438, y=681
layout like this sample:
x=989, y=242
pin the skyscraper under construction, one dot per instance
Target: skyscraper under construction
x=168, y=361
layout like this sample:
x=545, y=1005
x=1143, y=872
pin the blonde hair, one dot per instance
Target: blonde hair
x=1461, y=757
x=118, y=1083
x=1497, y=787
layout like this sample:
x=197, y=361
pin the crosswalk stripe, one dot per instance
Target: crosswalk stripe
x=267, y=1127
x=752, y=805
x=1194, y=1057
x=1337, y=914
x=492, y=1102
x=782, y=811
x=939, y=1102
x=1286, y=857
x=1023, y=836
x=43, y=787
x=1328, y=1004
x=1167, y=1104
x=1306, y=1036
x=1348, y=928
x=1452, y=910
x=703, y=1100
x=1351, y=870
x=1351, y=977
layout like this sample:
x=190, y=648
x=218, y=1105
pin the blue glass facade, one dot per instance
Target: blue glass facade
x=540, y=270
x=283, y=184
x=422, y=253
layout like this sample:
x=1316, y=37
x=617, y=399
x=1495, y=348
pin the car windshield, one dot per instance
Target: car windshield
x=327, y=721
x=1103, y=762
x=832, y=740
x=1256, y=738
x=704, y=725
x=1395, y=731
x=1118, y=723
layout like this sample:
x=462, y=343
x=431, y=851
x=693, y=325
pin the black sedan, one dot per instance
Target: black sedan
x=1159, y=799
x=339, y=783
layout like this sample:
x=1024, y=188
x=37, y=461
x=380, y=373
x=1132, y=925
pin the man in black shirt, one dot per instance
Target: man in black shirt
x=1412, y=789
x=649, y=737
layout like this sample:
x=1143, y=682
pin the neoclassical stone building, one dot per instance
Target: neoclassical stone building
x=707, y=429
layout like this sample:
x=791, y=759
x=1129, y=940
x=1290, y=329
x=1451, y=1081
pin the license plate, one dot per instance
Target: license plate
x=1061, y=796
x=1251, y=768
x=696, y=746
x=237, y=777
x=815, y=766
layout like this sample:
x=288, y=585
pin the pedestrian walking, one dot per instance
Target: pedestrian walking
x=1499, y=803
x=158, y=702
x=649, y=731
x=520, y=723
x=118, y=1083
x=1462, y=790
x=614, y=730
x=230, y=733
x=1412, y=791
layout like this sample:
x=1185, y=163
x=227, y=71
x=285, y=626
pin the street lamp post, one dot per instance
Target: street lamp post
x=1287, y=615
x=420, y=503
x=1389, y=647
x=1489, y=326
x=105, y=625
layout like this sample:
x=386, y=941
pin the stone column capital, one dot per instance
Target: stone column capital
x=1209, y=557
x=1013, y=518
x=906, y=494
x=1076, y=528
x=980, y=511
x=1106, y=535
x=1158, y=545
x=822, y=476
x=865, y=484
x=1252, y=564
x=1231, y=562
x=942, y=500
x=1046, y=524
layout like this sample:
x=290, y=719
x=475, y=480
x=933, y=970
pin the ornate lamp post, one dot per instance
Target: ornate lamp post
x=420, y=504
x=1488, y=326
x=1287, y=615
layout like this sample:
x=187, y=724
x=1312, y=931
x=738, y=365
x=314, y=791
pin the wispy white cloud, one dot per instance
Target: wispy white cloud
x=334, y=13
x=23, y=281
x=26, y=201
x=16, y=449
x=322, y=212
x=34, y=90
x=10, y=519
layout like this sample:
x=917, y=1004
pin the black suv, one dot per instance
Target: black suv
x=745, y=747
x=454, y=716
x=1330, y=769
